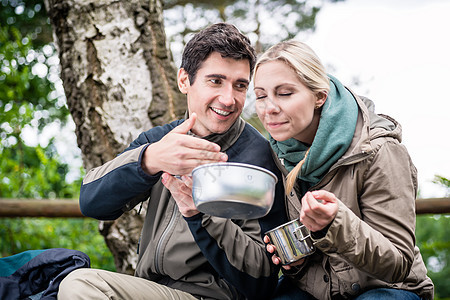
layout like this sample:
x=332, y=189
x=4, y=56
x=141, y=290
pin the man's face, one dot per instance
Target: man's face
x=218, y=93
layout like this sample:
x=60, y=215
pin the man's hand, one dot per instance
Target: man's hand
x=318, y=209
x=181, y=191
x=178, y=153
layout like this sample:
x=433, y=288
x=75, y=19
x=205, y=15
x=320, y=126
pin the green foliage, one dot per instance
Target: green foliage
x=28, y=100
x=37, y=172
x=18, y=235
x=34, y=172
x=443, y=182
x=29, y=17
x=433, y=241
x=28, y=73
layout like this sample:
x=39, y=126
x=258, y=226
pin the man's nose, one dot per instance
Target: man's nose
x=227, y=96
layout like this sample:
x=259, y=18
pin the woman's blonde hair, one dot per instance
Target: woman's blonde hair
x=310, y=71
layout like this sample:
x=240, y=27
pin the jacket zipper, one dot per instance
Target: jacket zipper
x=163, y=237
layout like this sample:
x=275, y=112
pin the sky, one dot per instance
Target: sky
x=400, y=52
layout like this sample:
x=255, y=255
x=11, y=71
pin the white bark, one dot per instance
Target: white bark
x=123, y=71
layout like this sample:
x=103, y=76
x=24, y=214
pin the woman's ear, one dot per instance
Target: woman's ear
x=183, y=80
x=321, y=98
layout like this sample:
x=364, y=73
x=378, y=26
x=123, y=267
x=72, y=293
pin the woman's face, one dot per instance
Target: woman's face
x=285, y=106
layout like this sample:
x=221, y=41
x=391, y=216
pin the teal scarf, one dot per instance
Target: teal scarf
x=333, y=137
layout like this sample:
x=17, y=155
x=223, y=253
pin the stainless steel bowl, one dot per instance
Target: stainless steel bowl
x=233, y=190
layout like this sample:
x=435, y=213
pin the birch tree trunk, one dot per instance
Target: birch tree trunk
x=119, y=80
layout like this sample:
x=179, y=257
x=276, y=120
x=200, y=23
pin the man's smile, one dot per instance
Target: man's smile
x=221, y=112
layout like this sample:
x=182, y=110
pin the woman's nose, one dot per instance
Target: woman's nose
x=269, y=106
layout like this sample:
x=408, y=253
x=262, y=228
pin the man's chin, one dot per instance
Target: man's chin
x=220, y=129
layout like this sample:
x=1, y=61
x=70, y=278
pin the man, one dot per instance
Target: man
x=185, y=254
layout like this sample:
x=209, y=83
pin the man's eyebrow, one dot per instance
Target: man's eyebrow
x=225, y=77
x=243, y=81
x=216, y=76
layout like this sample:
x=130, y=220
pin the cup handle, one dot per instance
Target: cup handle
x=299, y=235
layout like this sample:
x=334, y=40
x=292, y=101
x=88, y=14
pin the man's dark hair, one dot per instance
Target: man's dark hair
x=223, y=38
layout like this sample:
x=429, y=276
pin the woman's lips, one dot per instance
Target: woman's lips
x=275, y=125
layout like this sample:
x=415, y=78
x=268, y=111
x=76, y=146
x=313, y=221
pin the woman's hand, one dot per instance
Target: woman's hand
x=275, y=259
x=319, y=208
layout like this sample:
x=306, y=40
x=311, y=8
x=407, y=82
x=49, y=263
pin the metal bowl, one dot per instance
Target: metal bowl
x=233, y=190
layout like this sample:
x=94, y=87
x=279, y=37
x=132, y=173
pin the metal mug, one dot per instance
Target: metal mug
x=292, y=240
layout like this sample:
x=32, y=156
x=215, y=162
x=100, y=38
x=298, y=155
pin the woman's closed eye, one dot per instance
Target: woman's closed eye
x=287, y=94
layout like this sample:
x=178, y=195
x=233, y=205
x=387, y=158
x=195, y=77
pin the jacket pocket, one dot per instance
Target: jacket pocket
x=347, y=280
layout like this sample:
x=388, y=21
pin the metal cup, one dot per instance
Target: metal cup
x=292, y=240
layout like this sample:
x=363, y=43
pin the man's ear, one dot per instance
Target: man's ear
x=183, y=81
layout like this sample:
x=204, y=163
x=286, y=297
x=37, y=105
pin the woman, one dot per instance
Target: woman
x=356, y=183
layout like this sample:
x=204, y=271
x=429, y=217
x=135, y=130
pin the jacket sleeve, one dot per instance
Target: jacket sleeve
x=118, y=185
x=381, y=242
x=236, y=251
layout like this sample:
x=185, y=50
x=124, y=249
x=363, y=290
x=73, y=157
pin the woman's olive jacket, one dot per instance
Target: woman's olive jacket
x=371, y=242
